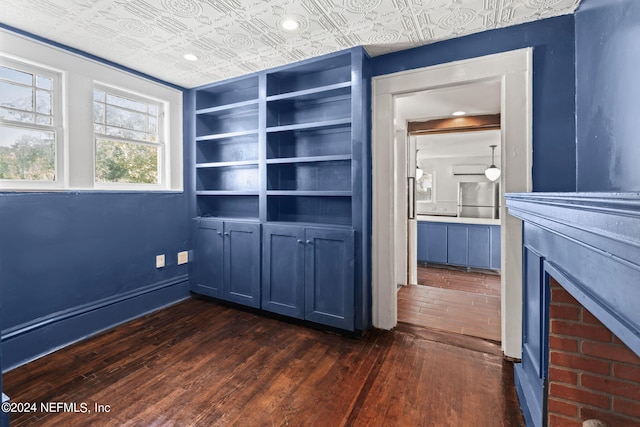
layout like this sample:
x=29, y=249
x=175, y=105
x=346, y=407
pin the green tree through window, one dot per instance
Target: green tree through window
x=128, y=147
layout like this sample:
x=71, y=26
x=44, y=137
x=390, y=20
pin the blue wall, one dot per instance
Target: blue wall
x=554, y=150
x=61, y=250
x=608, y=95
x=66, y=254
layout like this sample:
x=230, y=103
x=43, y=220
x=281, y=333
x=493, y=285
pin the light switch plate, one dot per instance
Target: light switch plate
x=183, y=257
x=159, y=261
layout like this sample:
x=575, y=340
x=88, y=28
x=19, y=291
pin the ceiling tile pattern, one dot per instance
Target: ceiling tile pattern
x=235, y=37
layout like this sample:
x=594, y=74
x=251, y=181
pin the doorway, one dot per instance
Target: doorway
x=513, y=70
x=454, y=257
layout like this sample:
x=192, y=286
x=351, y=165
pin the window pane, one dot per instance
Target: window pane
x=16, y=115
x=43, y=102
x=126, y=103
x=43, y=82
x=98, y=112
x=126, y=119
x=153, y=125
x=27, y=154
x=43, y=120
x=153, y=110
x=98, y=95
x=14, y=96
x=126, y=162
x=16, y=76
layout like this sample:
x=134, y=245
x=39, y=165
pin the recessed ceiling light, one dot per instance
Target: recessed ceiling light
x=190, y=57
x=459, y=113
x=289, y=24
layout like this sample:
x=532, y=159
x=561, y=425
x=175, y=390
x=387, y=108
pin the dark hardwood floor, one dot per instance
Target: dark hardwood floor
x=453, y=300
x=199, y=363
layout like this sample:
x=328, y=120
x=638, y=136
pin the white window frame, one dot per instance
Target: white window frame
x=57, y=126
x=161, y=144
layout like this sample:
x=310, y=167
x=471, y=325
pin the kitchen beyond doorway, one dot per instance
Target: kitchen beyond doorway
x=454, y=300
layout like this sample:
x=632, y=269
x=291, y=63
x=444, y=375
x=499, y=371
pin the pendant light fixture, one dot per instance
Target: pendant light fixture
x=492, y=172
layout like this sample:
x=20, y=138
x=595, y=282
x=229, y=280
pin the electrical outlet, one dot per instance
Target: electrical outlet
x=183, y=257
x=159, y=261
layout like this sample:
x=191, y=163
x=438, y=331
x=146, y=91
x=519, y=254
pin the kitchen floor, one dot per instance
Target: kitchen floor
x=453, y=300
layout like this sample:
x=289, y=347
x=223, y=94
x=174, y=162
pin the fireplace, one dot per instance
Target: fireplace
x=581, y=308
x=593, y=375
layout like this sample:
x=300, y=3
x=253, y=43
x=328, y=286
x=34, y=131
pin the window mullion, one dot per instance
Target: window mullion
x=126, y=140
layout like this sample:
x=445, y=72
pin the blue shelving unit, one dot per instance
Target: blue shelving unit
x=289, y=147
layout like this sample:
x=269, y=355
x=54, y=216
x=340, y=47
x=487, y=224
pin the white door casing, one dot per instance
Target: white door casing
x=400, y=205
x=514, y=70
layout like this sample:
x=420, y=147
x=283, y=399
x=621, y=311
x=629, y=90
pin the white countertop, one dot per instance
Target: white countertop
x=457, y=220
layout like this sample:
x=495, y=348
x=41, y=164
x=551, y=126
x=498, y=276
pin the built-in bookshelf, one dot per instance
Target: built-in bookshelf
x=302, y=149
x=227, y=149
x=287, y=148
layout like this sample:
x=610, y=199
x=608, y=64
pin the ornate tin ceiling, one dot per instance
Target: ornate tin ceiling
x=235, y=37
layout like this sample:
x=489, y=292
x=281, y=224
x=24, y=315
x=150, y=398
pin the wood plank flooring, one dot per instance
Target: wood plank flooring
x=199, y=363
x=477, y=282
x=452, y=300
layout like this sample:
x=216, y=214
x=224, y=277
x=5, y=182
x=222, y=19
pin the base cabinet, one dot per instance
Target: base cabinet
x=283, y=270
x=227, y=261
x=432, y=242
x=308, y=273
x=464, y=245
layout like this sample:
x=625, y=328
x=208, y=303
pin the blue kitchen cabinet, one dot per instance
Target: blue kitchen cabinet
x=226, y=261
x=432, y=242
x=479, y=246
x=308, y=273
x=496, y=249
x=464, y=245
x=458, y=244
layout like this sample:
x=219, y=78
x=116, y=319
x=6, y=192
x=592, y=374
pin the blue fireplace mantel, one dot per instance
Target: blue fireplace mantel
x=589, y=243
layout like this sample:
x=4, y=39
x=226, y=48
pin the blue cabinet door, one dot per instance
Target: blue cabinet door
x=457, y=244
x=329, y=277
x=423, y=237
x=496, y=249
x=283, y=269
x=436, y=243
x=479, y=246
x=242, y=263
x=207, y=266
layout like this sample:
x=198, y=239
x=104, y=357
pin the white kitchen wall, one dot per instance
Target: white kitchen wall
x=446, y=184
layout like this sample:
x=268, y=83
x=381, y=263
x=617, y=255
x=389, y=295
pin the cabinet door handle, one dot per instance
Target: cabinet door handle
x=219, y=233
x=309, y=242
x=300, y=241
x=226, y=234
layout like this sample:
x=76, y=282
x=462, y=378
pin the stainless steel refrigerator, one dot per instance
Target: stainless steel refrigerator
x=478, y=200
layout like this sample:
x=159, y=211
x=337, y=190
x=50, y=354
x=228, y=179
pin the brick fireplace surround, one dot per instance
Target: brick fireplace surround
x=592, y=374
x=581, y=308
